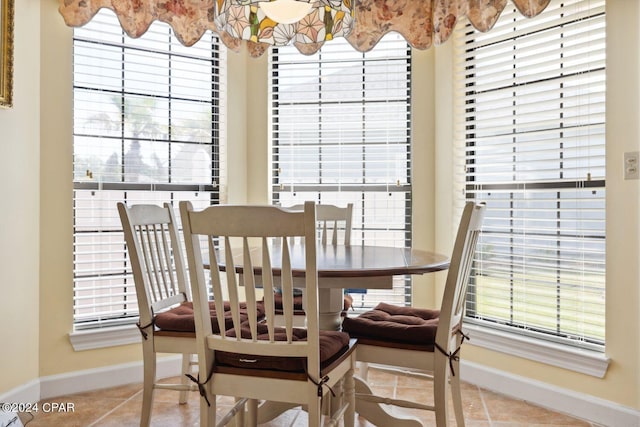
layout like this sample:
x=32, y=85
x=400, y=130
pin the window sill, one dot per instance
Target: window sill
x=104, y=337
x=584, y=361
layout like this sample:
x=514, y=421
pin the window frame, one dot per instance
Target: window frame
x=320, y=190
x=98, y=332
x=590, y=359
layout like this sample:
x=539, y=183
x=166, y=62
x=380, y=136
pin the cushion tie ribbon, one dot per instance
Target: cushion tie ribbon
x=142, y=329
x=201, y=389
x=453, y=356
x=323, y=382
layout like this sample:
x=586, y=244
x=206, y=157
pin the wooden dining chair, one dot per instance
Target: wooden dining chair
x=333, y=224
x=422, y=340
x=258, y=361
x=166, y=313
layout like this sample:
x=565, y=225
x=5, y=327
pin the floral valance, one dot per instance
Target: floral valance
x=421, y=22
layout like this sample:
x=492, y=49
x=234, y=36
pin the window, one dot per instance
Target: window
x=147, y=129
x=340, y=131
x=531, y=108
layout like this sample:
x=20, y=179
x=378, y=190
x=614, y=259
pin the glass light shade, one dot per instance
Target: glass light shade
x=281, y=22
x=286, y=11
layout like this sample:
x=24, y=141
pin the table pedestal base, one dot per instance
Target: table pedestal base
x=377, y=414
x=331, y=296
x=269, y=410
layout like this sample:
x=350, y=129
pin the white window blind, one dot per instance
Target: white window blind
x=530, y=135
x=147, y=129
x=340, y=131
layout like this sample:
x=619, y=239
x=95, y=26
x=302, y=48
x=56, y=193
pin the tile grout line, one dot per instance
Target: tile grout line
x=484, y=405
x=114, y=409
x=293, y=422
x=395, y=386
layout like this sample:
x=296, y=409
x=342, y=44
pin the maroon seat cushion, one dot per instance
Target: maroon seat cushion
x=387, y=322
x=180, y=319
x=332, y=343
x=297, y=303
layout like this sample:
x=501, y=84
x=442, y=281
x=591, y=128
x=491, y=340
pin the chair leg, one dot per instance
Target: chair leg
x=314, y=407
x=252, y=413
x=350, y=397
x=440, y=389
x=186, y=369
x=208, y=413
x=456, y=393
x=149, y=379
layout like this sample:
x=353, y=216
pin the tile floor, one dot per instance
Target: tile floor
x=120, y=407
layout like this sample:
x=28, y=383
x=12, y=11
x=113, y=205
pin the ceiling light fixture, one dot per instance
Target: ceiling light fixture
x=286, y=11
x=281, y=22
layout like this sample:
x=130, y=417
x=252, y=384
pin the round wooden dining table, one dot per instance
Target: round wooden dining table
x=355, y=267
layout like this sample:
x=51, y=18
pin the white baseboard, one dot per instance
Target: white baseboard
x=90, y=379
x=579, y=405
x=109, y=376
x=26, y=393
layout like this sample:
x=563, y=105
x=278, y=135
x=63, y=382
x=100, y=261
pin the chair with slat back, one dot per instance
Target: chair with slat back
x=161, y=284
x=334, y=224
x=335, y=220
x=260, y=360
x=166, y=320
x=431, y=342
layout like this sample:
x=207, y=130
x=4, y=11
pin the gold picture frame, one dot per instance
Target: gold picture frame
x=6, y=50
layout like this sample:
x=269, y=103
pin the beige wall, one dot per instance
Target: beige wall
x=19, y=186
x=37, y=131
x=258, y=153
x=237, y=132
x=623, y=213
x=424, y=171
x=56, y=260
